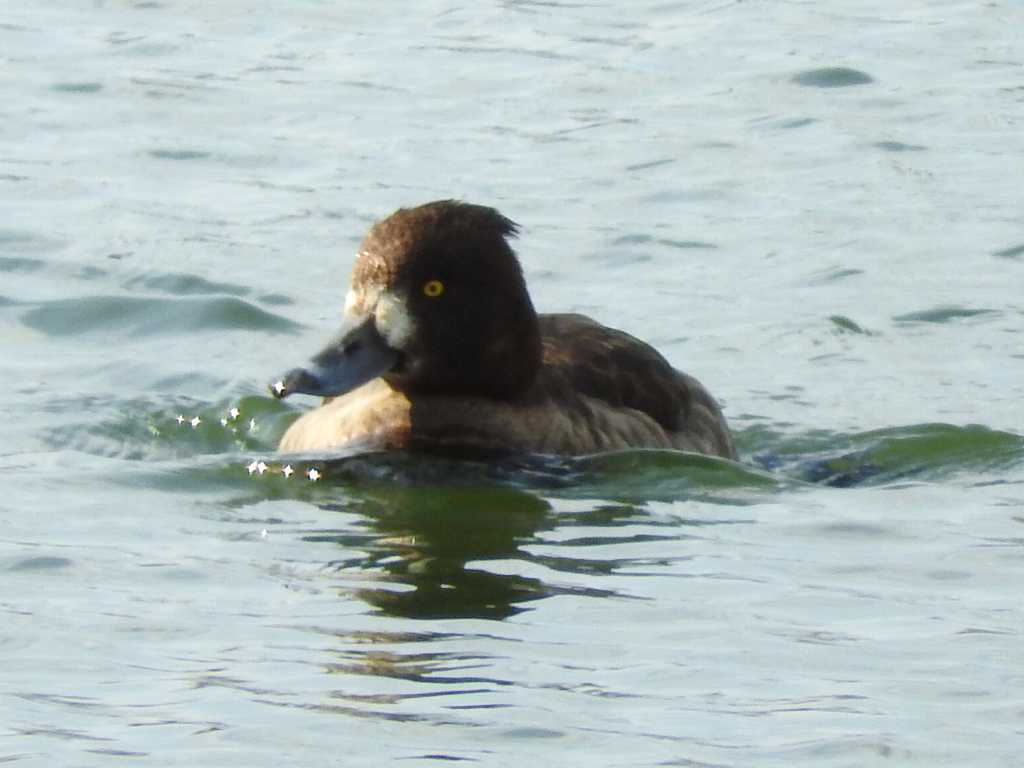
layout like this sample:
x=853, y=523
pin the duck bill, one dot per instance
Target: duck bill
x=359, y=354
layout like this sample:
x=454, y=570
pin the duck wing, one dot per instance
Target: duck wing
x=610, y=365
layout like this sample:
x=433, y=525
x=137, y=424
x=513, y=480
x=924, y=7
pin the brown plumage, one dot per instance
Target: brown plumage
x=444, y=352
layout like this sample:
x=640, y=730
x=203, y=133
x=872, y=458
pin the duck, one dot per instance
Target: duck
x=441, y=351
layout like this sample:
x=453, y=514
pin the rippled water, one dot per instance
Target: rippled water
x=815, y=208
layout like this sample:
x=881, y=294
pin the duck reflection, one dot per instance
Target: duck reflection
x=429, y=535
x=450, y=538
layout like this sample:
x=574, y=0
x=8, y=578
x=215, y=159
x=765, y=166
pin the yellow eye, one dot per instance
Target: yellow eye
x=433, y=288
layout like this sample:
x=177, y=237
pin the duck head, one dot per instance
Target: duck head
x=437, y=305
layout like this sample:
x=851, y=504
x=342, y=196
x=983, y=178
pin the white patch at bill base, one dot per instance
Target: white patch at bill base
x=351, y=298
x=393, y=320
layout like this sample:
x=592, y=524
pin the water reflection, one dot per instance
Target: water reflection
x=424, y=541
x=430, y=531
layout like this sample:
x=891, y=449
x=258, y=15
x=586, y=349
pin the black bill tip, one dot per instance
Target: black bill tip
x=296, y=380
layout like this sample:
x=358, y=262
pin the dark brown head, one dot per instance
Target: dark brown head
x=437, y=304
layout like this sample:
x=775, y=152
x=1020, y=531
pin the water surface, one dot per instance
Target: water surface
x=816, y=209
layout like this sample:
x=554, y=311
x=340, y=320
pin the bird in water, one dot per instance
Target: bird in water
x=442, y=351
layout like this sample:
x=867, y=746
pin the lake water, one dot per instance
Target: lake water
x=816, y=208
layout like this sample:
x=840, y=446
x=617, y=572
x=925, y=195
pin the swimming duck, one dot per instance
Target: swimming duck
x=441, y=350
